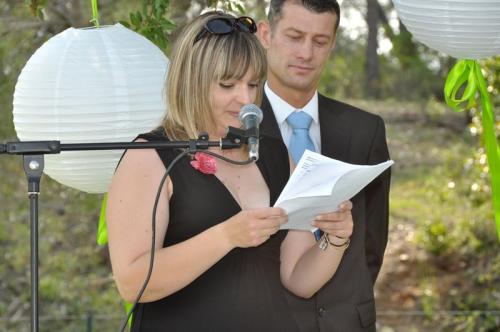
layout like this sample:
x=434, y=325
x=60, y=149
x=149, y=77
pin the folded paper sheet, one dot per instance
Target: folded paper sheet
x=319, y=184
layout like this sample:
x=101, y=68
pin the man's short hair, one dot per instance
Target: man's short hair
x=317, y=6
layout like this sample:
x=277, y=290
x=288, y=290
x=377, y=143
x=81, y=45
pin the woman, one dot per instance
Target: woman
x=221, y=260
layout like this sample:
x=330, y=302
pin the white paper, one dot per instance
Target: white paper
x=320, y=184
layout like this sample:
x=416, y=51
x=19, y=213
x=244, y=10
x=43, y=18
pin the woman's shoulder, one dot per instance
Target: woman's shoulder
x=165, y=154
x=142, y=159
x=157, y=134
x=137, y=168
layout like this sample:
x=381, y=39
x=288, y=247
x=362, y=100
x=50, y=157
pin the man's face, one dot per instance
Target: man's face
x=298, y=47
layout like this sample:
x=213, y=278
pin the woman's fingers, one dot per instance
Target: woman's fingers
x=338, y=223
x=253, y=227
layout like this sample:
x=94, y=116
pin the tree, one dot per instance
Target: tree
x=372, y=70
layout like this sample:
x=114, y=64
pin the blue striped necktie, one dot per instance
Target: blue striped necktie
x=300, y=141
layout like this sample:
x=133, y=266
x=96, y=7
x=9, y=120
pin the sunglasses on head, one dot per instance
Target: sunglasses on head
x=225, y=25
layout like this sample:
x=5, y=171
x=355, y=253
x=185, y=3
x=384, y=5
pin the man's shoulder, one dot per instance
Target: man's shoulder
x=339, y=108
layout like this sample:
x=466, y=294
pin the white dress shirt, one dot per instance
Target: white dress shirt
x=282, y=110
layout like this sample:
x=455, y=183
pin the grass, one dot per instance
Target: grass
x=443, y=244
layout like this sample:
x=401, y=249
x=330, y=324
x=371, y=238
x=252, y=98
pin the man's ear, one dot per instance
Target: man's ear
x=264, y=33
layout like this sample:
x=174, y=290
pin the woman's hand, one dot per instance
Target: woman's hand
x=251, y=228
x=338, y=223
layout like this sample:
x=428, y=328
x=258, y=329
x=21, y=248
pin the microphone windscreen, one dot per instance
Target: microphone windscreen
x=251, y=109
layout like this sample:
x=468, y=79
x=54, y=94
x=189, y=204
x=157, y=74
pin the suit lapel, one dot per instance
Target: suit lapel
x=269, y=125
x=335, y=132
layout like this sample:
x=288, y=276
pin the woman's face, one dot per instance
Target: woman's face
x=228, y=97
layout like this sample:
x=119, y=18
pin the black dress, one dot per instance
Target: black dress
x=242, y=291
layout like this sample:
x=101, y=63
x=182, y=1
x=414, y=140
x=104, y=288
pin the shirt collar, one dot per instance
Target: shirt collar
x=282, y=109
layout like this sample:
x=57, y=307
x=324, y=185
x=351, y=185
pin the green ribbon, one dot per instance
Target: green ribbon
x=102, y=231
x=469, y=72
x=95, y=14
x=128, y=307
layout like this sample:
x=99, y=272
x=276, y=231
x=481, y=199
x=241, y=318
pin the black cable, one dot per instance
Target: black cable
x=153, y=221
x=239, y=163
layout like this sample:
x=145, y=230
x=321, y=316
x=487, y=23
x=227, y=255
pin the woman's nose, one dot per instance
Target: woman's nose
x=245, y=95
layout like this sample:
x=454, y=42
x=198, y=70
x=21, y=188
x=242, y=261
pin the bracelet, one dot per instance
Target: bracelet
x=325, y=242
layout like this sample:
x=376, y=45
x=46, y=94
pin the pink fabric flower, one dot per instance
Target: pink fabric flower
x=204, y=163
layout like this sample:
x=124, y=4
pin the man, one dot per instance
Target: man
x=299, y=37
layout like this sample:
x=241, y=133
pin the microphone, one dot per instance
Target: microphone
x=251, y=117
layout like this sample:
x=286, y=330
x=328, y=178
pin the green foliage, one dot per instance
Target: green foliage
x=446, y=192
x=227, y=5
x=411, y=80
x=484, y=278
x=15, y=48
x=74, y=273
x=477, y=165
x=483, y=275
x=344, y=71
x=36, y=7
x=152, y=22
x=460, y=221
x=429, y=300
x=436, y=237
x=431, y=190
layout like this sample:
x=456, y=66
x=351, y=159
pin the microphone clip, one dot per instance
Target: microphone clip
x=240, y=136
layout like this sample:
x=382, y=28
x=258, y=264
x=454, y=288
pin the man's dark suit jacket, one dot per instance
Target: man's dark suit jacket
x=346, y=302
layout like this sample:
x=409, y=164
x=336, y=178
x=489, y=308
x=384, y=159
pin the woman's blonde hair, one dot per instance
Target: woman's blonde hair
x=195, y=66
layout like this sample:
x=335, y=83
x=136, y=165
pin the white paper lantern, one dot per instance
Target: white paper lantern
x=464, y=29
x=90, y=85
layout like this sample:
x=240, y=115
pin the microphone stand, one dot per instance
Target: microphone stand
x=33, y=161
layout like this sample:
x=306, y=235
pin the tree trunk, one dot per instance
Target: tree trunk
x=372, y=71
